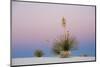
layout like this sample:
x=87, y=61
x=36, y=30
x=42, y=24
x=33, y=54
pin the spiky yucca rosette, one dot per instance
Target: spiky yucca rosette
x=63, y=47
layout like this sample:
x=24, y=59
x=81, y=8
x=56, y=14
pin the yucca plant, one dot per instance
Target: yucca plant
x=64, y=45
x=38, y=53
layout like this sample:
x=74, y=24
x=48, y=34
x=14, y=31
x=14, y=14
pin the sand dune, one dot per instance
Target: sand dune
x=43, y=60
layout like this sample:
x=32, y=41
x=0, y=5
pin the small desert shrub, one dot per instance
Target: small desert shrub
x=84, y=55
x=38, y=53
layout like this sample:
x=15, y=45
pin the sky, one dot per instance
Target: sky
x=37, y=25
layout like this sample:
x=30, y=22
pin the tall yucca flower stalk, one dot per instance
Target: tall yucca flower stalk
x=64, y=26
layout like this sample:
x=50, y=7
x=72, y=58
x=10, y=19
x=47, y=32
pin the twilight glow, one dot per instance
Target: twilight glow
x=37, y=25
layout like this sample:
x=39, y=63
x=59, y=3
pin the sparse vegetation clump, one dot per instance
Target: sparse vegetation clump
x=38, y=53
x=64, y=46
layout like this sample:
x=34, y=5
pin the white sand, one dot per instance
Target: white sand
x=43, y=60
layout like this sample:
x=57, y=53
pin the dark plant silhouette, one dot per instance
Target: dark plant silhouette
x=65, y=44
x=38, y=53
